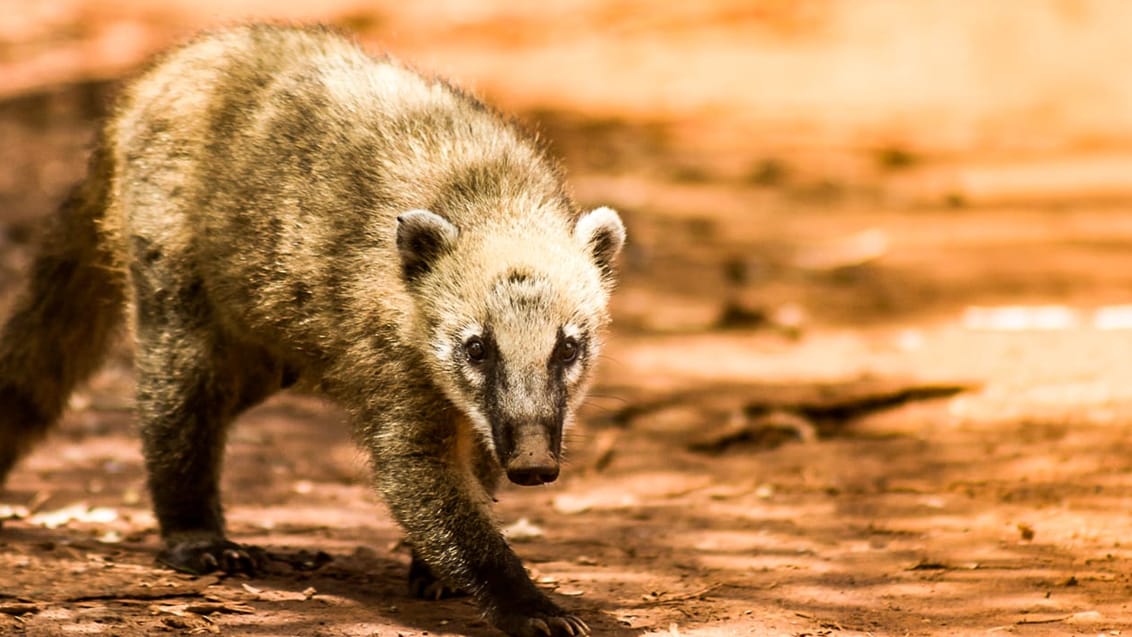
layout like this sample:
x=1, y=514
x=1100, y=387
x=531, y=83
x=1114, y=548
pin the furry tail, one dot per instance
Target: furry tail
x=63, y=322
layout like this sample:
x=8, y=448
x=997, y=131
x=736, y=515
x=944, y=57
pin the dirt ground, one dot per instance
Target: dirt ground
x=871, y=368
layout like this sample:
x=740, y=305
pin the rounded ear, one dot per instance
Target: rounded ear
x=422, y=237
x=603, y=234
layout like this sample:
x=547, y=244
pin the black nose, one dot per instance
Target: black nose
x=529, y=475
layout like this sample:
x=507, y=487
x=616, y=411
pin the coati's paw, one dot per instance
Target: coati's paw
x=205, y=556
x=547, y=621
x=425, y=584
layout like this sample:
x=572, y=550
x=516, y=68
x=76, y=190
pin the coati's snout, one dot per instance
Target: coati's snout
x=528, y=454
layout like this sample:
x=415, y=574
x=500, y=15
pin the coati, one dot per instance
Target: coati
x=273, y=207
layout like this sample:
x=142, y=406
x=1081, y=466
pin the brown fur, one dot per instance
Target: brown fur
x=278, y=208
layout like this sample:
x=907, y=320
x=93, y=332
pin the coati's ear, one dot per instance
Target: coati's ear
x=603, y=234
x=422, y=237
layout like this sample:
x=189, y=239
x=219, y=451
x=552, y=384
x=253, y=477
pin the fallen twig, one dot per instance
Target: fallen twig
x=1048, y=620
x=17, y=608
x=674, y=599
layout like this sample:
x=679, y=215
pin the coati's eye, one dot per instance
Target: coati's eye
x=568, y=351
x=475, y=350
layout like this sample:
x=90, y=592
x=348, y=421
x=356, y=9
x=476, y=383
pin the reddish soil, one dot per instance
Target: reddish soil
x=814, y=417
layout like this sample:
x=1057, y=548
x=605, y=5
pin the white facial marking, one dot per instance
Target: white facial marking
x=442, y=347
x=470, y=330
x=482, y=426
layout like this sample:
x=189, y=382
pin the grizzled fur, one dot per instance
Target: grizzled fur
x=277, y=208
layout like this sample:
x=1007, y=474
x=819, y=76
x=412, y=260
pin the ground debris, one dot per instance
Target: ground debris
x=767, y=432
x=17, y=609
x=268, y=595
x=203, y=608
x=766, y=415
x=207, y=608
x=180, y=587
x=654, y=598
x=1025, y=531
x=302, y=560
x=523, y=531
x=929, y=565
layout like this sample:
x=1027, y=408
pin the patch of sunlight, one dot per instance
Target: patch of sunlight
x=866, y=596
x=681, y=358
x=776, y=562
x=614, y=576
x=724, y=541
x=728, y=629
x=823, y=510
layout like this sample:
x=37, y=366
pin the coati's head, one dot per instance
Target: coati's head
x=512, y=316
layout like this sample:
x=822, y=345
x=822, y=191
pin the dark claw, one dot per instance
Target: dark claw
x=237, y=562
x=571, y=625
x=205, y=556
x=550, y=622
x=434, y=590
x=564, y=624
x=580, y=628
x=424, y=584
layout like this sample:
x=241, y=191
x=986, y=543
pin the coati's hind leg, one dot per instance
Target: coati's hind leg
x=423, y=582
x=192, y=383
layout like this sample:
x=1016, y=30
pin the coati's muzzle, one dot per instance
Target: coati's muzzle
x=529, y=451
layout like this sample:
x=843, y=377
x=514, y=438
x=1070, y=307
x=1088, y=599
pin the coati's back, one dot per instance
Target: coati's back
x=271, y=161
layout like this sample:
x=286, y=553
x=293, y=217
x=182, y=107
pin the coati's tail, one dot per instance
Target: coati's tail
x=62, y=323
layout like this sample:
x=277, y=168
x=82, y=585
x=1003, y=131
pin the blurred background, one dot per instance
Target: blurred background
x=839, y=212
x=782, y=129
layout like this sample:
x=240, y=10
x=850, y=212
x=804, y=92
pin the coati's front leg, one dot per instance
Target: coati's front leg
x=423, y=582
x=191, y=385
x=446, y=514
